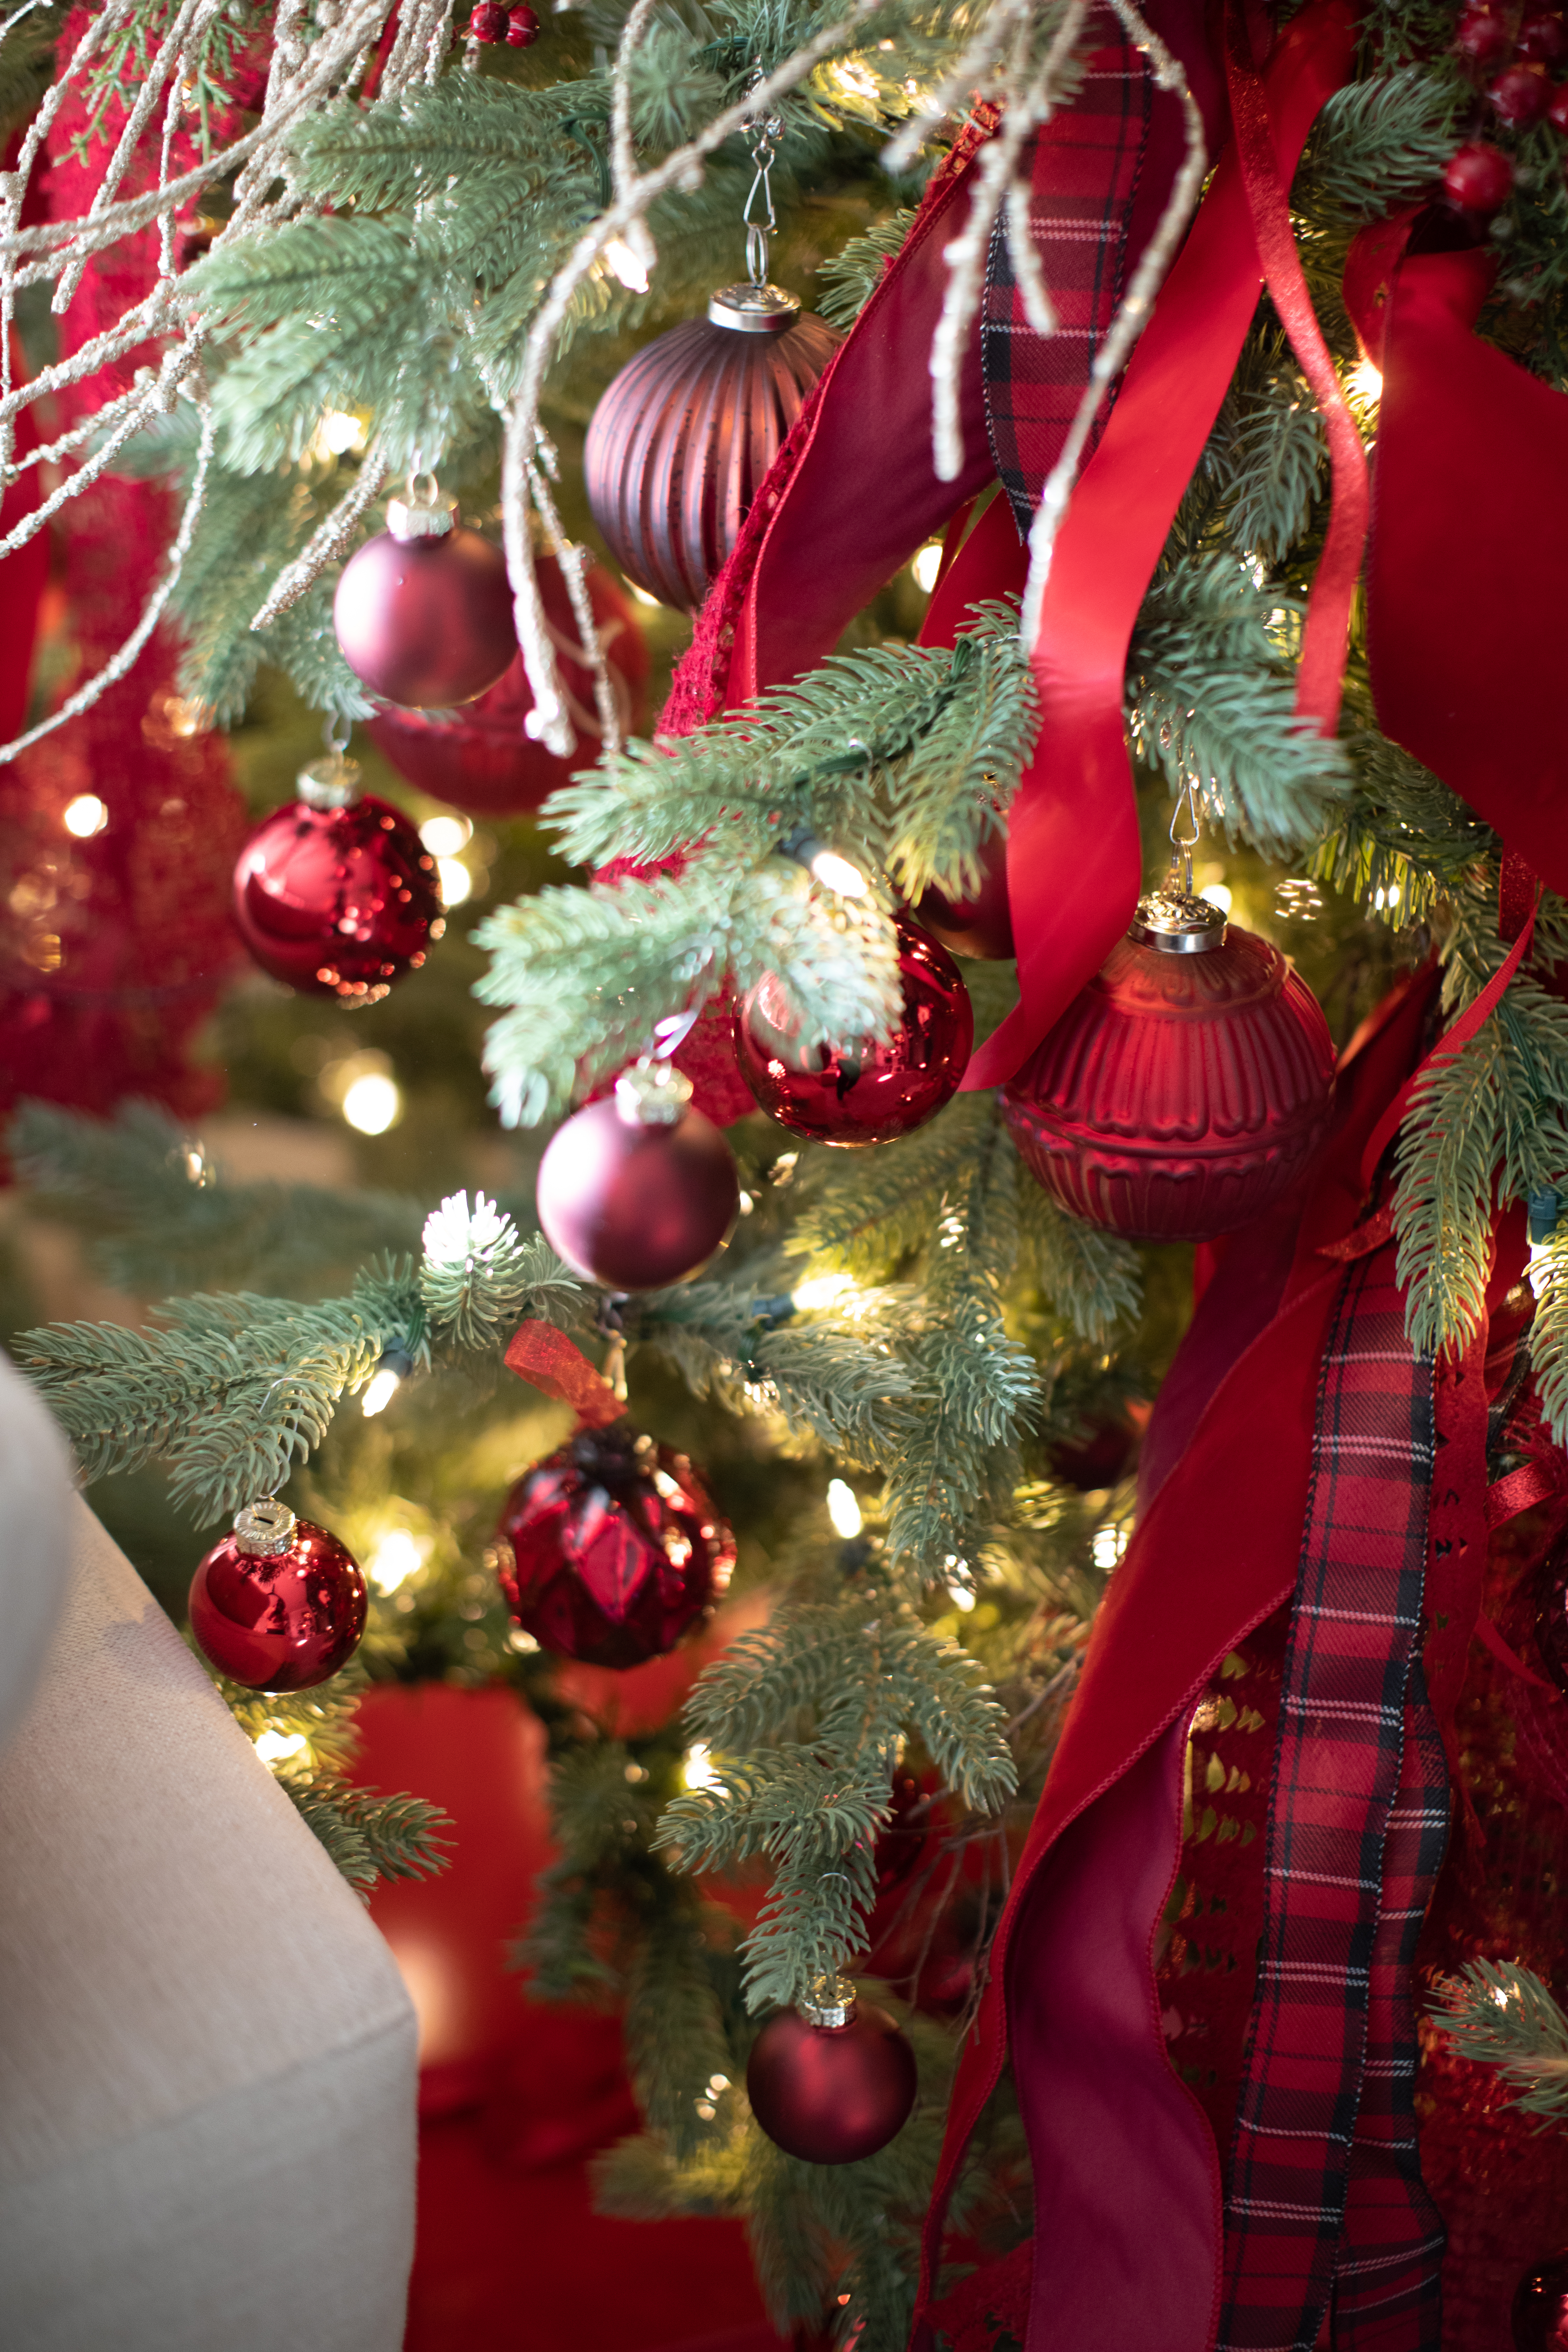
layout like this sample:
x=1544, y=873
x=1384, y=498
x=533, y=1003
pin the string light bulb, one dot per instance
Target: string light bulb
x=386, y=1381
x=624, y=263
x=85, y=815
x=926, y=566
x=276, y=1747
x=697, y=1765
x=843, y=1509
x=396, y=1558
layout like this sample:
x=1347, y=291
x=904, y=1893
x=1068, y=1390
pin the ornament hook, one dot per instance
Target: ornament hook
x=1183, y=844
x=764, y=133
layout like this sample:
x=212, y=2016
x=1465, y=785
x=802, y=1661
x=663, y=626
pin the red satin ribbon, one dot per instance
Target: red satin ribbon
x=548, y=1360
x=1074, y=856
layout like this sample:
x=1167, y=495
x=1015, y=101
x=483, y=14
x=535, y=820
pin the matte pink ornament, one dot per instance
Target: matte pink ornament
x=279, y=1604
x=609, y=1550
x=831, y=2093
x=1187, y=1086
x=423, y=611
x=636, y=1191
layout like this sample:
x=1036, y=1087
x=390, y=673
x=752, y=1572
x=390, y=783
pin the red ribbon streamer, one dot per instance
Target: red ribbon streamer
x=1074, y=856
x=548, y=1360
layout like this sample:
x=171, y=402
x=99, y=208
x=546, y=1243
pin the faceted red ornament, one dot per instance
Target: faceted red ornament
x=831, y=2093
x=1478, y=178
x=981, y=925
x=521, y=28
x=337, y=896
x=1185, y=1088
x=479, y=758
x=1544, y=40
x=610, y=1549
x=1521, y=95
x=278, y=1605
x=1482, y=37
x=638, y=1189
x=423, y=611
x=869, y=1093
x=679, y=443
x=488, y=22
x=1540, y=2313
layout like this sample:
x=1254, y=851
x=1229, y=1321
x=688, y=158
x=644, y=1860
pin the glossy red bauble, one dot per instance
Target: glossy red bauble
x=831, y=2094
x=1538, y=2319
x=1482, y=37
x=1181, y=1093
x=1520, y=96
x=278, y=1605
x=425, y=621
x=1478, y=178
x=337, y=901
x=1544, y=40
x=679, y=443
x=521, y=28
x=479, y=758
x=1557, y=113
x=611, y=1549
x=870, y=1093
x=634, y=1204
x=982, y=924
x=488, y=22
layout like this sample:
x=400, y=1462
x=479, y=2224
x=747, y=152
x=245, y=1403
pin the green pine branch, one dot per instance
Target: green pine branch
x=850, y=277
x=369, y=1836
x=1384, y=141
x=1501, y=2015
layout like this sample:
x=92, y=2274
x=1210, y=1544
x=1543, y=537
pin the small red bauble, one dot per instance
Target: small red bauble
x=1544, y=40
x=423, y=611
x=981, y=925
x=488, y=22
x=831, y=2092
x=479, y=759
x=278, y=1605
x=1521, y=95
x=611, y=1549
x=639, y=1190
x=336, y=894
x=1539, y=2317
x=678, y=444
x=1482, y=37
x=869, y=1093
x=521, y=28
x=1557, y=113
x=1478, y=178
x=1187, y=1088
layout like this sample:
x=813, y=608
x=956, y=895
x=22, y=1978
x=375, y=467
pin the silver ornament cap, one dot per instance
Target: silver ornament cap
x=265, y=1527
x=753, y=310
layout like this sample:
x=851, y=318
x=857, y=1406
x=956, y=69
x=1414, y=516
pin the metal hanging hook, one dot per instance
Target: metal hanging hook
x=763, y=133
x=1183, y=844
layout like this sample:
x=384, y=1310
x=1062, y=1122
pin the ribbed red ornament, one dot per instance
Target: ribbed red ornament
x=679, y=443
x=1182, y=1092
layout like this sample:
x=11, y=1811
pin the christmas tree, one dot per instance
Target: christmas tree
x=1015, y=1130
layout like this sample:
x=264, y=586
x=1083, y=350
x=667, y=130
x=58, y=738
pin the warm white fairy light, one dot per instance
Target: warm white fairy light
x=399, y=1556
x=445, y=836
x=843, y=1509
x=821, y=1290
x=372, y=1103
x=624, y=263
x=926, y=566
x=836, y=873
x=84, y=816
x=276, y=1747
x=1219, y=894
x=1365, y=384
x=456, y=880
x=379, y=1391
x=697, y=1765
x=340, y=432
x=1109, y=1544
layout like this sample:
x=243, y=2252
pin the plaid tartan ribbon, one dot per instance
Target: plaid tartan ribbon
x=1084, y=171
x=1325, y=2210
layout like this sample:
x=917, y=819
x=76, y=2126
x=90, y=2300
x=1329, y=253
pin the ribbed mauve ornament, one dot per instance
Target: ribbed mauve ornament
x=678, y=444
x=1187, y=1088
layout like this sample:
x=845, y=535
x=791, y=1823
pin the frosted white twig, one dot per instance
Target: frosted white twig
x=327, y=541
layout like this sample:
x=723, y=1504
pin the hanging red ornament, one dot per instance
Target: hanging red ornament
x=678, y=444
x=982, y=924
x=1187, y=1088
x=831, y=2082
x=479, y=758
x=1543, y=40
x=278, y=1605
x=639, y=1190
x=1478, y=178
x=488, y=22
x=609, y=1550
x=521, y=28
x=423, y=611
x=1520, y=95
x=869, y=1093
x=1538, y=2319
x=336, y=894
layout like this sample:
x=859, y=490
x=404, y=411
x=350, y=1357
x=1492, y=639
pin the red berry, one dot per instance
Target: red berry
x=1543, y=40
x=1557, y=113
x=488, y=22
x=1520, y=95
x=1482, y=37
x=1478, y=179
x=521, y=28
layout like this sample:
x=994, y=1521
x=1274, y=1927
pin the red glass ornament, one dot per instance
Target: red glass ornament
x=1544, y=40
x=831, y=2094
x=1538, y=2319
x=632, y=1197
x=423, y=611
x=1184, y=1089
x=1557, y=113
x=678, y=444
x=609, y=1550
x=1521, y=95
x=479, y=758
x=279, y=1604
x=981, y=925
x=870, y=1093
x=1482, y=37
x=1478, y=178
x=521, y=28
x=337, y=898
x=488, y=22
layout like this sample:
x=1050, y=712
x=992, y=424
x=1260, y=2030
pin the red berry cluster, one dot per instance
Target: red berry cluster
x=1479, y=177
x=518, y=27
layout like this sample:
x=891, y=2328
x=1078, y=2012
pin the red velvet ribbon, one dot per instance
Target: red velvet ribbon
x=548, y=1360
x=1074, y=855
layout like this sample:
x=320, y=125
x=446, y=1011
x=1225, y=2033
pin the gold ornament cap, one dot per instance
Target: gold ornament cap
x=265, y=1527
x=753, y=310
x=330, y=783
x=830, y=2004
x=1174, y=922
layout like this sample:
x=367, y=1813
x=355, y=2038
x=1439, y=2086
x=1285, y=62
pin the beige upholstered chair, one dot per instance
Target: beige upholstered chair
x=206, y=2055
